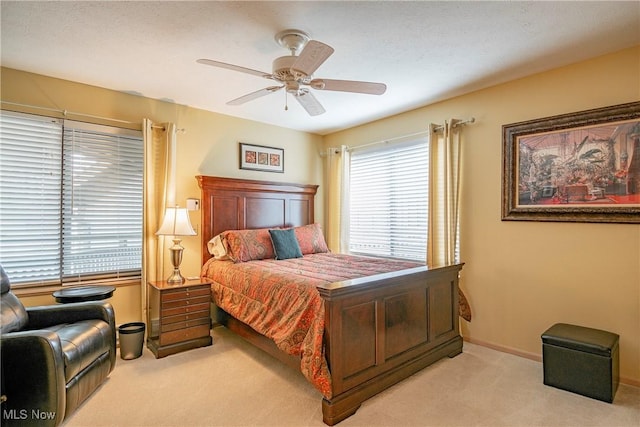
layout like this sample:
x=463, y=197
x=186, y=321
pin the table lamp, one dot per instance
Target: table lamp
x=176, y=223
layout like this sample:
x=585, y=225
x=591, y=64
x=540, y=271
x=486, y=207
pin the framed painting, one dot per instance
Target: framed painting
x=578, y=167
x=261, y=158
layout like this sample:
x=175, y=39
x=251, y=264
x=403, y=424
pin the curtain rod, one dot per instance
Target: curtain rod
x=73, y=113
x=461, y=123
x=181, y=130
x=436, y=129
x=66, y=112
x=386, y=141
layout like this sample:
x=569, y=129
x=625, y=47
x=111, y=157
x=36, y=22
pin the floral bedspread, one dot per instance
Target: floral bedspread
x=279, y=299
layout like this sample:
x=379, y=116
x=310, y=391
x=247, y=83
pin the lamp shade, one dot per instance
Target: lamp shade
x=176, y=223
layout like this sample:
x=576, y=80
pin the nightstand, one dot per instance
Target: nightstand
x=179, y=316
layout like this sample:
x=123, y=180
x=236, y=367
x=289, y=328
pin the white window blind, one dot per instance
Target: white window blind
x=71, y=203
x=389, y=201
x=102, y=201
x=30, y=205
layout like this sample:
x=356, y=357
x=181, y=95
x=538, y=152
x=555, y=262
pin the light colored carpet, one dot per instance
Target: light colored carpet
x=233, y=383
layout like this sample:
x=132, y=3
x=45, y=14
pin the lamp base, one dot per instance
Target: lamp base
x=176, y=278
x=176, y=259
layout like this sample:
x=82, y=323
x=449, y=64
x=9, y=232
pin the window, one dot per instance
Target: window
x=389, y=189
x=70, y=200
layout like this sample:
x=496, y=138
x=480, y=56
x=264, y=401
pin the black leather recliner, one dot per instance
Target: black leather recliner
x=53, y=357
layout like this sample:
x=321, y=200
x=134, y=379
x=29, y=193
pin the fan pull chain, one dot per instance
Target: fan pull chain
x=286, y=106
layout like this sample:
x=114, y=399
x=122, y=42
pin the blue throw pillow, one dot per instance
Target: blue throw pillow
x=285, y=244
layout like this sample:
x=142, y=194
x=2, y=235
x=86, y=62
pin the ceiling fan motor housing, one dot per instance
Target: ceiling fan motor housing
x=282, y=69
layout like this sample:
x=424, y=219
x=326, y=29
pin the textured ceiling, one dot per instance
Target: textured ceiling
x=424, y=51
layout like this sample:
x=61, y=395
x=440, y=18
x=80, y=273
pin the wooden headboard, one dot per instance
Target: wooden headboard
x=238, y=204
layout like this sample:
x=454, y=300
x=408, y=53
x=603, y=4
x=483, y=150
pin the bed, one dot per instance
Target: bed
x=376, y=330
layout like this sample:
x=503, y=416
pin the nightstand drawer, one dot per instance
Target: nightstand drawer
x=186, y=293
x=183, y=325
x=184, y=317
x=184, y=309
x=185, y=302
x=181, y=335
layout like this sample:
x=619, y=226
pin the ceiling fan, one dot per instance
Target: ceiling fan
x=294, y=73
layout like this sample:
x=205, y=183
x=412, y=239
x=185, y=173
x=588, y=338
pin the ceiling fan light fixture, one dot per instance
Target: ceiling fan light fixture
x=292, y=87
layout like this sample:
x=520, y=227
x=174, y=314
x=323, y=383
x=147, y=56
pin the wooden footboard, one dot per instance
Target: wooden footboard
x=379, y=330
x=382, y=329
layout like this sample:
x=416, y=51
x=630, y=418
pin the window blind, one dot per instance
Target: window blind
x=101, y=201
x=389, y=191
x=30, y=208
x=71, y=200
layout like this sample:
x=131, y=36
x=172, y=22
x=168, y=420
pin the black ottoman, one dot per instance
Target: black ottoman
x=581, y=360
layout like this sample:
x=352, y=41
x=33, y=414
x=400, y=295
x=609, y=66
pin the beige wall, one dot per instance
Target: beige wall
x=209, y=146
x=522, y=277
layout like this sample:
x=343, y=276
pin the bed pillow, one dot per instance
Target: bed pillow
x=218, y=248
x=248, y=245
x=311, y=239
x=285, y=244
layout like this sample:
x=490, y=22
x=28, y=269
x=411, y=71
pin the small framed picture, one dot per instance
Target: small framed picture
x=261, y=158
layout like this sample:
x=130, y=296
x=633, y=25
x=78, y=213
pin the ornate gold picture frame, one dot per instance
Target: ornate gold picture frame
x=578, y=167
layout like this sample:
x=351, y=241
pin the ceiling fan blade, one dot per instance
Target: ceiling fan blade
x=309, y=102
x=311, y=57
x=254, y=95
x=369, y=88
x=234, y=68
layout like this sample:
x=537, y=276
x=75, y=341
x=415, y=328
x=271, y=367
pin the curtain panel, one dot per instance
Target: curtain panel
x=445, y=185
x=159, y=192
x=337, y=199
x=445, y=179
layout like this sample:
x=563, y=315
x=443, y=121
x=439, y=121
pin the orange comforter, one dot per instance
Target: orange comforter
x=279, y=299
